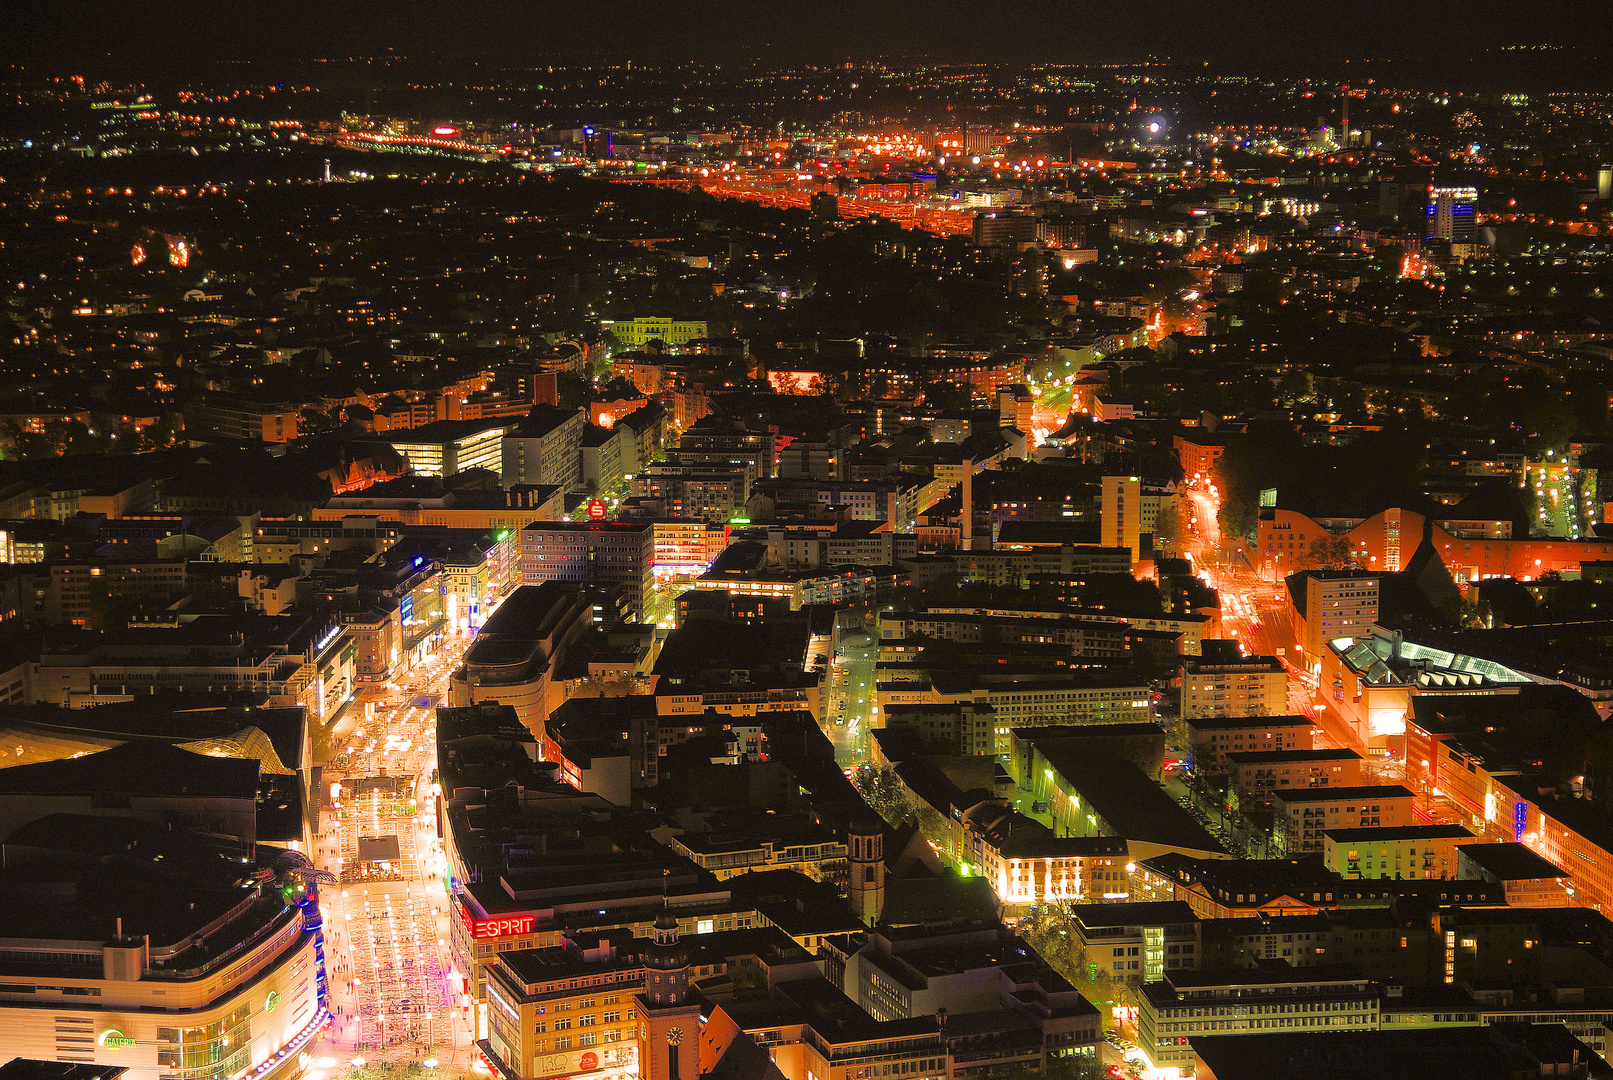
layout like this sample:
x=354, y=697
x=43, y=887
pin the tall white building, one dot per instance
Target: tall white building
x=1337, y=604
x=1450, y=214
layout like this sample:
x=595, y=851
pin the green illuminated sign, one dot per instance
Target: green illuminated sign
x=113, y=1039
x=271, y=1001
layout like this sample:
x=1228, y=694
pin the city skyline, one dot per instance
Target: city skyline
x=177, y=31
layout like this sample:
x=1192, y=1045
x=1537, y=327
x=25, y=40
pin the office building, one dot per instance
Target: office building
x=287, y=660
x=448, y=447
x=544, y=449
x=1449, y=215
x=1274, y=997
x=1137, y=942
x=592, y=553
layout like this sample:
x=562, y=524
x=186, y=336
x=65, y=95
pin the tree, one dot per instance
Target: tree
x=1168, y=524
x=573, y=391
x=948, y=396
x=1329, y=553
x=313, y=420
x=1295, y=386
x=881, y=788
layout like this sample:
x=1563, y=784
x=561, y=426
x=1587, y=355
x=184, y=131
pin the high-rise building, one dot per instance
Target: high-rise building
x=1122, y=510
x=544, y=448
x=1450, y=214
x=1338, y=604
x=825, y=206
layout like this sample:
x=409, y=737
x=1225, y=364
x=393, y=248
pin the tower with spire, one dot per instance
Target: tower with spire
x=668, y=1027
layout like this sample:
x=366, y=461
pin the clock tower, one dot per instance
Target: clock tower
x=668, y=1023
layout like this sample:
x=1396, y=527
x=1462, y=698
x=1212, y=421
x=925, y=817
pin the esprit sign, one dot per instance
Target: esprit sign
x=506, y=926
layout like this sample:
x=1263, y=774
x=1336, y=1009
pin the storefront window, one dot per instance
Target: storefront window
x=213, y=1052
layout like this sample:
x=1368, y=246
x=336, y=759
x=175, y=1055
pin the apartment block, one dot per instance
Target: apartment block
x=1303, y=815
x=1410, y=852
x=1211, y=739
x=1255, y=775
x=1251, y=686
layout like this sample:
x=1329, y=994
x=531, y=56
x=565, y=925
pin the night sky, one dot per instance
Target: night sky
x=136, y=34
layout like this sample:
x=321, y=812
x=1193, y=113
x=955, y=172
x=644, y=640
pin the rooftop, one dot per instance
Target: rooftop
x=1130, y=803
x=1342, y=794
x=1397, y=832
x=1155, y=913
x=145, y=768
x=1510, y=862
x=1275, y=757
x=1493, y=1052
x=1224, y=723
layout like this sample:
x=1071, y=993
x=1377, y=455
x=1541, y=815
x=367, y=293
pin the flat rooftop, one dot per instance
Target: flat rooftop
x=1224, y=723
x=1335, y=794
x=1132, y=805
x=1279, y=757
x=1396, y=832
x=1510, y=862
x=1145, y=913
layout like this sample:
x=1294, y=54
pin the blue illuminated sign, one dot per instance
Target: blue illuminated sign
x=1520, y=822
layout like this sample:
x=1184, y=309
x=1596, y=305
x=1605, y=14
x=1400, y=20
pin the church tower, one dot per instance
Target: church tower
x=865, y=851
x=668, y=1023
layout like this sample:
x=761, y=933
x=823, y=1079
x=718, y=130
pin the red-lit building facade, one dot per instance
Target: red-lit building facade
x=1384, y=542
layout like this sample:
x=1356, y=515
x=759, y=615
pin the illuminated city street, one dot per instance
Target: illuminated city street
x=852, y=707
x=387, y=921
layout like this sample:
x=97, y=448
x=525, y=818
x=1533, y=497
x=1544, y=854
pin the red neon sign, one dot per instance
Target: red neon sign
x=509, y=926
x=444, y=130
x=596, y=510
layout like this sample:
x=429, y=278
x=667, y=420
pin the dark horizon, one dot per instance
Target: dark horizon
x=53, y=35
